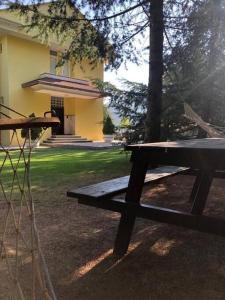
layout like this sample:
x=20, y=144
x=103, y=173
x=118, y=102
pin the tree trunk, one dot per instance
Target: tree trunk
x=153, y=119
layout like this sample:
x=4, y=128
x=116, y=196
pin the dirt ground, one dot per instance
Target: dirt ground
x=163, y=262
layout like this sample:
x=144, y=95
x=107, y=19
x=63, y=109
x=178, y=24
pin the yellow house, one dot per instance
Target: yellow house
x=31, y=83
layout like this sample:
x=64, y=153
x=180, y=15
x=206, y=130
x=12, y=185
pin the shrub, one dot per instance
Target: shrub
x=35, y=132
x=108, y=126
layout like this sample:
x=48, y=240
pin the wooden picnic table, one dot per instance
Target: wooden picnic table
x=205, y=156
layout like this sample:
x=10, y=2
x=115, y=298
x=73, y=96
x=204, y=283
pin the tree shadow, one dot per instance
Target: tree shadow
x=163, y=261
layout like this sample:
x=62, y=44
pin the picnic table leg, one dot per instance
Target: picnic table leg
x=202, y=191
x=133, y=195
x=195, y=187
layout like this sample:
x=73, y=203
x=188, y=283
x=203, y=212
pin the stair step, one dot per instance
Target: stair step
x=61, y=136
x=65, y=139
x=71, y=146
x=67, y=142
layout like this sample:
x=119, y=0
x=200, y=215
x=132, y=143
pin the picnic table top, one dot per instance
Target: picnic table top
x=207, y=144
x=31, y=122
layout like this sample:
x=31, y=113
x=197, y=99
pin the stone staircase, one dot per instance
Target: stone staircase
x=64, y=140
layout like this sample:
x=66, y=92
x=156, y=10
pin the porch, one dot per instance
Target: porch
x=77, y=103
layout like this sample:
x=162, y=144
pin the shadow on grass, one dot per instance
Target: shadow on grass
x=53, y=167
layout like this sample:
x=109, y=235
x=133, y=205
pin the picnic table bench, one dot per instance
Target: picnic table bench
x=100, y=194
x=204, y=157
x=107, y=189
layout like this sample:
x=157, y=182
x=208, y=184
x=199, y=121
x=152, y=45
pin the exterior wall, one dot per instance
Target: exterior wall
x=12, y=21
x=23, y=60
x=4, y=83
x=89, y=118
x=26, y=60
x=88, y=113
x=86, y=71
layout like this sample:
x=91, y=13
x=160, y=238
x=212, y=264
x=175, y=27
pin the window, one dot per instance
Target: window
x=57, y=102
x=53, y=62
x=64, y=70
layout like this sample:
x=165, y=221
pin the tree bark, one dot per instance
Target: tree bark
x=153, y=119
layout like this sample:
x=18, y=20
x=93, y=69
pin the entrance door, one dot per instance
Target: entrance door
x=57, y=104
x=69, y=124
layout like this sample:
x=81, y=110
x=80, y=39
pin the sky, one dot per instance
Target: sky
x=133, y=72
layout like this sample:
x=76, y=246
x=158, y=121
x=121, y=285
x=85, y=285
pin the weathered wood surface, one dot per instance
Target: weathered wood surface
x=208, y=143
x=203, y=184
x=7, y=123
x=112, y=187
x=217, y=173
x=135, y=186
x=205, y=156
x=164, y=215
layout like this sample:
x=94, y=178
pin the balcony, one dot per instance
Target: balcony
x=66, y=87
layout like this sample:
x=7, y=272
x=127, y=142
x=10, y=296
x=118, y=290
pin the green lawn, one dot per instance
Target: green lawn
x=53, y=167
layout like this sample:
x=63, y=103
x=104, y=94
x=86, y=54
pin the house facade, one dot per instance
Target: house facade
x=31, y=83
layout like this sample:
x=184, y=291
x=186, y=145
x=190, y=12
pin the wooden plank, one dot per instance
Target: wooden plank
x=190, y=158
x=208, y=143
x=217, y=174
x=28, y=123
x=201, y=223
x=196, y=185
x=133, y=195
x=197, y=153
x=116, y=186
x=202, y=191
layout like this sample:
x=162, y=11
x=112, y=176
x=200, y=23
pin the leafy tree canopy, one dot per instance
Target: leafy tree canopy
x=97, y=29
x=115, y=30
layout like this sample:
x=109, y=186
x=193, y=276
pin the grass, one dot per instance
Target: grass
x=163, y=262
x=53, y=167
